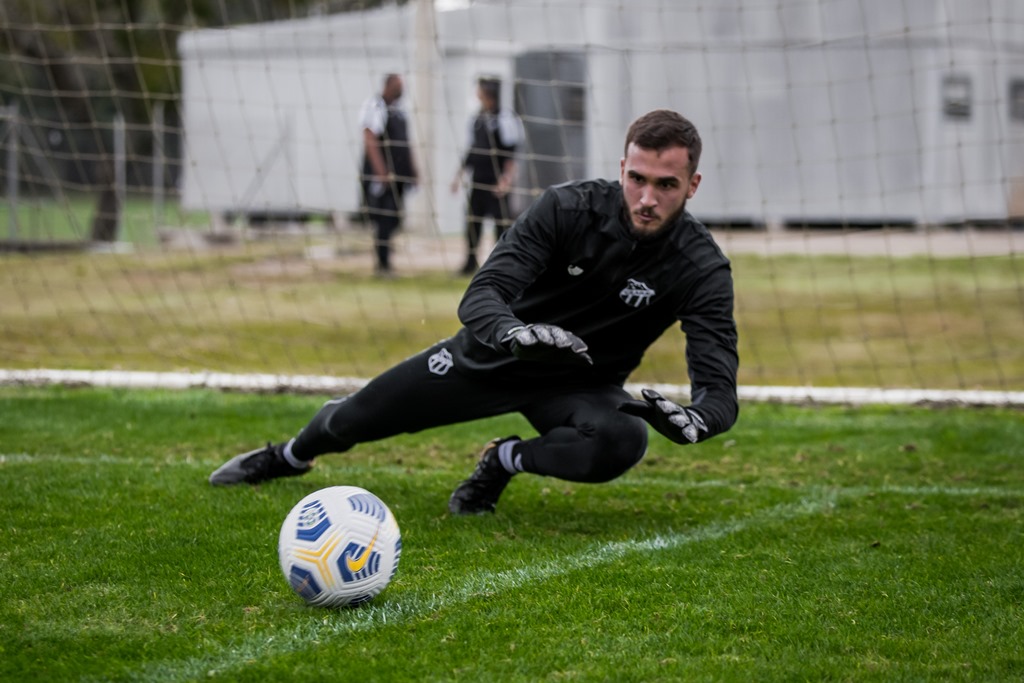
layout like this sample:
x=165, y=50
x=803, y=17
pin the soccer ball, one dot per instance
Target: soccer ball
x=339, y=546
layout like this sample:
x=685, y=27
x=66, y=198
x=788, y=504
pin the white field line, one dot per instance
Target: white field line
x=183, y=380
x=414, y=605
x=343, y=385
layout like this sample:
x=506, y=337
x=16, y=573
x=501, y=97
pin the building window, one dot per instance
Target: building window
x=956, y=97
x=1017, y=99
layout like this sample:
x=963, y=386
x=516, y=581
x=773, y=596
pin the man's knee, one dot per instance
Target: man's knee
x=620, y=443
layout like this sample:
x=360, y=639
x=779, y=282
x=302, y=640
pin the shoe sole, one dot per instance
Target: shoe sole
x=231, y=472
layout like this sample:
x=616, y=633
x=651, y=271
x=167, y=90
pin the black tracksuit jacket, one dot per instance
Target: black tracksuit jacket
x=570, y=260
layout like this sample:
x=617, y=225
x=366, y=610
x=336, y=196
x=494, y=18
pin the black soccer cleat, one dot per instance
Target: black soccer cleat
x=256, y=466
x=479, y=494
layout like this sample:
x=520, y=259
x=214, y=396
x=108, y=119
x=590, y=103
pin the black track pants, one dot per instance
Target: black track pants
x=582, y=435
x=484, y=204
x=385, y=212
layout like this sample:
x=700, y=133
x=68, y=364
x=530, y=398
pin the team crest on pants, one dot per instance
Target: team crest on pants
x=636, y=293
x=441, y=362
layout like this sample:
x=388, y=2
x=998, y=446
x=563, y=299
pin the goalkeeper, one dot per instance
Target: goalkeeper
x=554, y=322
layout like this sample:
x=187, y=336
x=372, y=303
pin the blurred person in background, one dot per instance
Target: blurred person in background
x=388, y=167
x=489, y=164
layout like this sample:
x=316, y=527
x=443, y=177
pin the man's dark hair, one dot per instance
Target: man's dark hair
x=664, y=128
x=491, y=87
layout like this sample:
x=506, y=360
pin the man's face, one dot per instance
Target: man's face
x=392, y=89
x=487, y=102
x=655, y=186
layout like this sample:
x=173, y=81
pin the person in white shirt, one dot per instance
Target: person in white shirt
x=389, y=168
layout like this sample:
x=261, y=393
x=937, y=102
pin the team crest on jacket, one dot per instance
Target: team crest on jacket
x=441, y=362
x=636, y=293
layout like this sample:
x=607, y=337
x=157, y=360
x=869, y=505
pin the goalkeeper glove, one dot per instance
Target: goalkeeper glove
x=682, y=425
x=546, y=343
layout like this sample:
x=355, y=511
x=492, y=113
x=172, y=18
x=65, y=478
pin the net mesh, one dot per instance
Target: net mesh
x=181, y=189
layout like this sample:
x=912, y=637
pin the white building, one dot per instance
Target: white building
x=811, y=110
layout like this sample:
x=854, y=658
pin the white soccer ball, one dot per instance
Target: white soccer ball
x=339, y=546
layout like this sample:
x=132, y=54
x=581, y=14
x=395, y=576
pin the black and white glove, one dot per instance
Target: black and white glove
x=682, y=425
x=546, y=343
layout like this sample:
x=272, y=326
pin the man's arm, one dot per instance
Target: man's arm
x=712, y=358
x=376, y=156
x=712, y=362
x=518, y=259
x=521, y=255
x=510, y=129
x=507, y=177
x=464, y=159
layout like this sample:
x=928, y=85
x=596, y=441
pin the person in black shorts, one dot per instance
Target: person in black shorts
x=553, y=323
x=493, y=136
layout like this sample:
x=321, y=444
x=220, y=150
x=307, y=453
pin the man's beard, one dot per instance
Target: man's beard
x=665, y=224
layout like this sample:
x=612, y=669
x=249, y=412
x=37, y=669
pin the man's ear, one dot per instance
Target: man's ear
x=694, y=182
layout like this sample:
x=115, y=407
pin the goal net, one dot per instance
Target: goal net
x=181, y=181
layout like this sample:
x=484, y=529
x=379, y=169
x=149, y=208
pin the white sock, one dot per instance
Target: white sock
x=290, y=458
x=512, y=463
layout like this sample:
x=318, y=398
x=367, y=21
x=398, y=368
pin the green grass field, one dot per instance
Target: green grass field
x=266, y=307
x=879, y=544
x=817, y=544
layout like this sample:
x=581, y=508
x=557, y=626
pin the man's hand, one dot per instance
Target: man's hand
x=546, y=343
x=682, y=425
